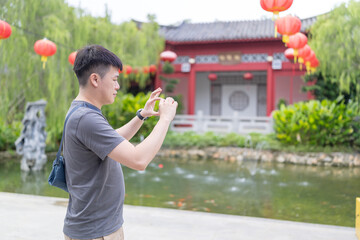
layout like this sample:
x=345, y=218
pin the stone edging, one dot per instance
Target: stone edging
x=4, y=155
x=233, y=154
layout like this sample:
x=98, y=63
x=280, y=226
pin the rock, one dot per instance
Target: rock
x=216, y=155
x=268, y=157
x=357, y=160
x=311, y=159
x=31, y=142
x=280, y=159
x=327, y=159
x=337, y=161
x=240, y=158
x=293, y=159
x=232, y=159
x=322, y=156
x=196, y=154
x=345, y=160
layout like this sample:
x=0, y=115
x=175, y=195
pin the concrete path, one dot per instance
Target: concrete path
x=27, y=217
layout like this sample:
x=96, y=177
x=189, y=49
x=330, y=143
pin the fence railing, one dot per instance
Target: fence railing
x=222, y=124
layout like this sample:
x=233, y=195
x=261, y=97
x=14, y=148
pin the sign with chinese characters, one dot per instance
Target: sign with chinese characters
x=230, y=58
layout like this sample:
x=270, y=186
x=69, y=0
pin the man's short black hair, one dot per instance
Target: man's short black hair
x=94, y=59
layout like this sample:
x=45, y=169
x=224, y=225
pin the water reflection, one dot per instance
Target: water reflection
x=32, y=182
x=299, y=193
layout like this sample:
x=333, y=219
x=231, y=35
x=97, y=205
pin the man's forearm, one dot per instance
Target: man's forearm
x=138, y=157
x=152, y=144
x=131, y=128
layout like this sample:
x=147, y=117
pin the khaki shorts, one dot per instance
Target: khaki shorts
x=118, y=235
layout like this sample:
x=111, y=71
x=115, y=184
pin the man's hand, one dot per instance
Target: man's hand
x=167, y=108
x=138, y=157
x=148, y=110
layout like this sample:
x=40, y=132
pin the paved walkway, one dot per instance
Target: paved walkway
x=27, y=217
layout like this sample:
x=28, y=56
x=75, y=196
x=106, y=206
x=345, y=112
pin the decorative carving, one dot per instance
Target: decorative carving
x=207, y=59
x=31, y=143
x=181, y=59
x=231, y=58
x=239, y=100
x=258, y=57
x=280, y=56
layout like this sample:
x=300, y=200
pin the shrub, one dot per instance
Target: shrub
x=210, y=139
x=8, y=134
x=356, y=135
x=124, y=109
x=325, y=123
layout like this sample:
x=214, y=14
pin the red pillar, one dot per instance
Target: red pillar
x=292, y=84
x=191, y=91
x=157, y=77
x=270, y=90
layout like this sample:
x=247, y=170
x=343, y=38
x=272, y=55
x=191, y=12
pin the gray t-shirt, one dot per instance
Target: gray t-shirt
x=95, y=181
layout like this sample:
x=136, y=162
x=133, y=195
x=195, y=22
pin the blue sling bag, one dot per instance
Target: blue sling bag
x=57, y=174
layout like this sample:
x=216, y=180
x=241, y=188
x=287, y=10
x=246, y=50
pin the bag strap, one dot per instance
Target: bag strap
x=84, y=104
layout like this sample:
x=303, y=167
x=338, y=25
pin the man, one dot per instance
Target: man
x=94, y=151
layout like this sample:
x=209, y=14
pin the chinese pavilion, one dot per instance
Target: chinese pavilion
x=233, y=66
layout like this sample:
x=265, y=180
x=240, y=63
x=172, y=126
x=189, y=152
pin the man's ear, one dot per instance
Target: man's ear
x=94, y=79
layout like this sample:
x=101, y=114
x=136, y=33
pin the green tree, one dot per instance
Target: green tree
x=22, y=78
x=335, y=38
x=170, y=85
x=323, y=89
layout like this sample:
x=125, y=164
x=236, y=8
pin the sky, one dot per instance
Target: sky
x=198, y=11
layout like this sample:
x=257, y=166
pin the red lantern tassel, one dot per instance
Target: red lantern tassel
x=275, y=15
x=44, y=59
x=295, y=55
x=301, y=61
x=307, y=67
x=285, y=39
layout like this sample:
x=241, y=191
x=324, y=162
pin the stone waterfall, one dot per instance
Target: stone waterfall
x=31, y=143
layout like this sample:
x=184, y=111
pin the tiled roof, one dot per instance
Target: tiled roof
x=225, y=31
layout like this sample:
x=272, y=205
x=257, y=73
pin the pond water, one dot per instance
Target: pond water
x=324, y=195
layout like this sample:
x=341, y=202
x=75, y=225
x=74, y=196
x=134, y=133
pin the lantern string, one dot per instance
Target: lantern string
x=38, y=35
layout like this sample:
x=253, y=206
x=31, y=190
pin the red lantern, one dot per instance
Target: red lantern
x=72, y=57
x=136, y=70
x=287, y=26
x=314, y=63
x=248, y=76
x=275, y=6
x=45, y=48
x=212, y=77
x=168, y=56
x=289, y=54
x=5, y=30
x=145, y=70
x=127, y=69
x=297, y=41
x=303, y=53
x=152, y=69
x=308, y=60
